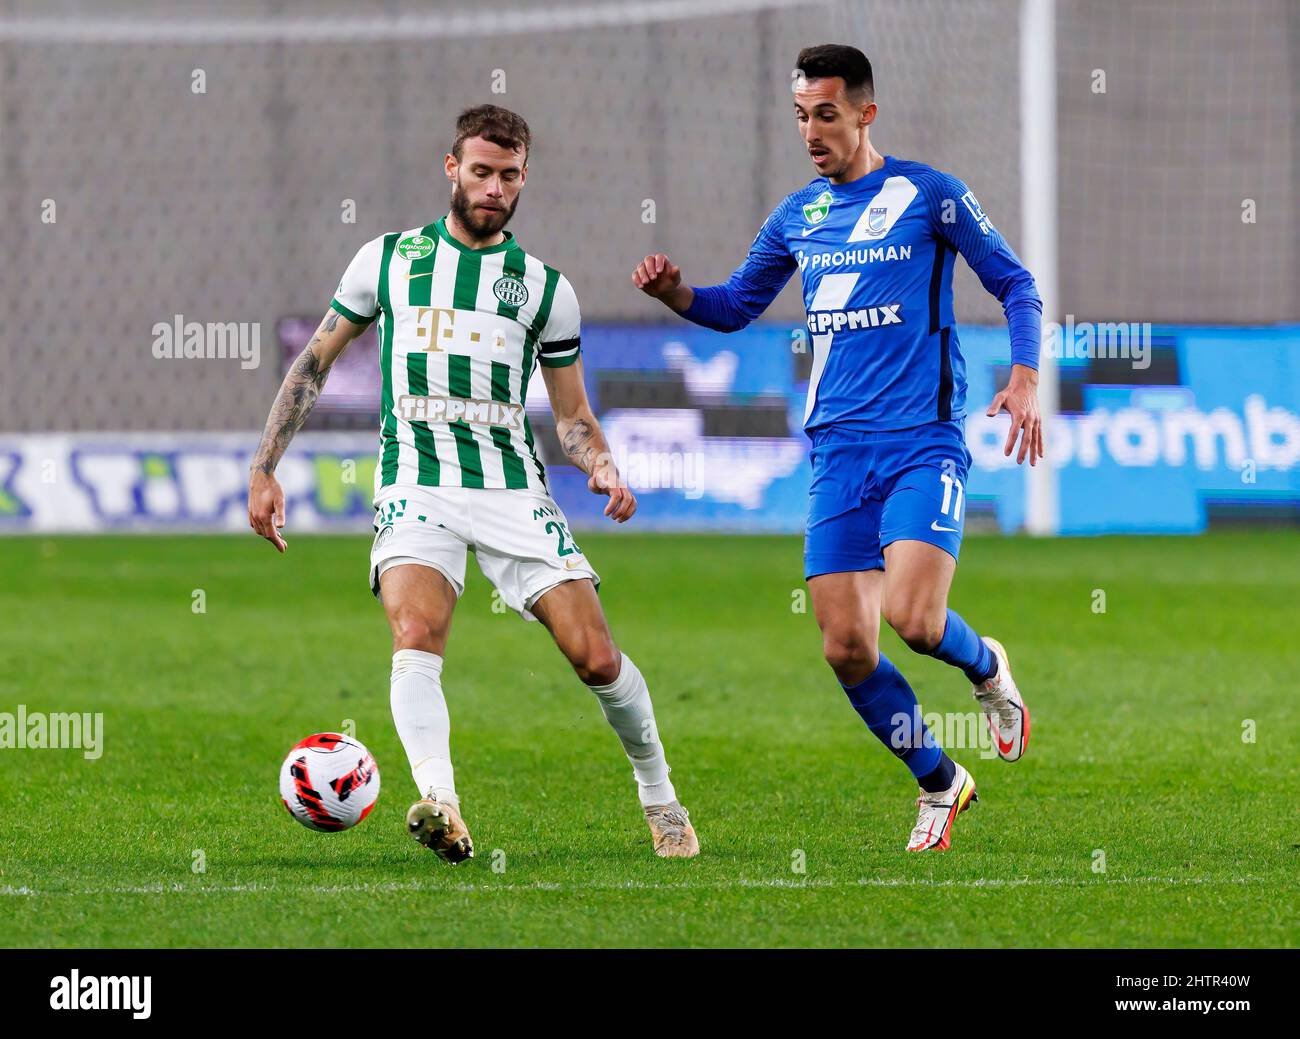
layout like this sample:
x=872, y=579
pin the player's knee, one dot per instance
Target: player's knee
x=599, y=669
x=850, y=652
x=922, y=630
x=413, y=630
x=598, y=663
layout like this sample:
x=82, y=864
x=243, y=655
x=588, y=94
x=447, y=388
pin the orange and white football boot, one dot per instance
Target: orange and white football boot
x=439, y=827
x=1004, y=708
x=939, y=810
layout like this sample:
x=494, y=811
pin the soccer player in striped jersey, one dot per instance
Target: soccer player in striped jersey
x=874, y=239
x=464, y=317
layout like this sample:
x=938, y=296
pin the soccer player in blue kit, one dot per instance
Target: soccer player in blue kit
x=875, y=239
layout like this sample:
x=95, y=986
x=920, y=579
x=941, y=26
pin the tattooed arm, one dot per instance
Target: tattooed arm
x=582, y=440
x=292, y=405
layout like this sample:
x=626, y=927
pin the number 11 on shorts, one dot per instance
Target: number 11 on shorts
x=949, y=498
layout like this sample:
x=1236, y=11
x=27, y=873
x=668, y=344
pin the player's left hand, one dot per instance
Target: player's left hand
x=604, y=479
x=266, y=508
x=1020, y=400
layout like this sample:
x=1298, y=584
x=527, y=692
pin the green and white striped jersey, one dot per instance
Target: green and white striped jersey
x=460, y=332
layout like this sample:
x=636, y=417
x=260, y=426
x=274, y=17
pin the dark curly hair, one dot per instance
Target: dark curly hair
x=493, y=123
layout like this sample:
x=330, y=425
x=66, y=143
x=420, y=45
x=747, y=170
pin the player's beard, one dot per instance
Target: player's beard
x=480, y=223
x=838, y=170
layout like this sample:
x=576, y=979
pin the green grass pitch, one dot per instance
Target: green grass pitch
x=1164, y=740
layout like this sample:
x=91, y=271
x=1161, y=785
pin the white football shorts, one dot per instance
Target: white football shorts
x=520, y=538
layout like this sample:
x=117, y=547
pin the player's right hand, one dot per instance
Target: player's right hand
x=266, y=507
x=657, y=276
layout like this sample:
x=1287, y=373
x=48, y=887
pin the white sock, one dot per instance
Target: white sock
x=423, y=723
x=627, y=707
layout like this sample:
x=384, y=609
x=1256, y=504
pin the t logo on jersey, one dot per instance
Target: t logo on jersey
x=876, y=219
x=442, y=325
x=815, y=212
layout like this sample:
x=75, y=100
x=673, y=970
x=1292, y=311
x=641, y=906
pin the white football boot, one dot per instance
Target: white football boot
x=1004, y=709
x=937, y=812
x=439, y=827
x=670, y=826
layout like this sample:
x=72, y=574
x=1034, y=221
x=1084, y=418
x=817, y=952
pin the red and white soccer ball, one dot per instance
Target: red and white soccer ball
x=329, y=782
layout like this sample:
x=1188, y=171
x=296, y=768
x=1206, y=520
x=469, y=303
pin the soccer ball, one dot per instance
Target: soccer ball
x=329, y=782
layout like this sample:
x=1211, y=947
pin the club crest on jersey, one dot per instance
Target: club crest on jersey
x=415, y=247
x=877, y=217
x=510, y=290
x=815, y=212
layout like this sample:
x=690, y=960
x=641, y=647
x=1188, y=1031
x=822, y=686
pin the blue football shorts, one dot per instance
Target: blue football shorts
x=872, y=489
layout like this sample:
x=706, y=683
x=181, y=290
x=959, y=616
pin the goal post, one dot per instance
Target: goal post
x=1039, y=214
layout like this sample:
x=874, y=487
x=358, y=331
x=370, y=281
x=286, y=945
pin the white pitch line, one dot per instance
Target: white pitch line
x=403, y=27
x=396, y=887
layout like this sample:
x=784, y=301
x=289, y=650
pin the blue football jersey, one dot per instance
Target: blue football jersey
x=876, y=259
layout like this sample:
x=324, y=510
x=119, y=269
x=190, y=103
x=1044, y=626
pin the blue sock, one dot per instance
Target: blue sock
x=962, y=648
x=889, y=707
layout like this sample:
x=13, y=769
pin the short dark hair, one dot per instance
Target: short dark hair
x=837, y=59
x=493, y=123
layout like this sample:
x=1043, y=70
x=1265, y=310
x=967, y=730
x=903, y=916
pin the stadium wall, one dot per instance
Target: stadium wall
x=176, y=166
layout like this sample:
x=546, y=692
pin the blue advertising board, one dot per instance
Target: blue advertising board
x=1168, y=431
